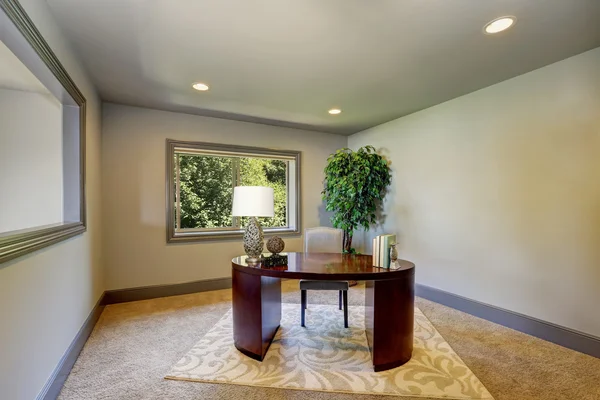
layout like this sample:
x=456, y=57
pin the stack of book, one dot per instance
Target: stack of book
x=381, y=250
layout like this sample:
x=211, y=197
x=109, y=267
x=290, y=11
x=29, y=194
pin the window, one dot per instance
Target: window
x=200, y=182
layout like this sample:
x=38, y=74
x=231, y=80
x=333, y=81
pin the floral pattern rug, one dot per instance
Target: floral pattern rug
x=325, y=356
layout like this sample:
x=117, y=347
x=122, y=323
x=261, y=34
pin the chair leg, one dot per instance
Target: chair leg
x=305, y=299
x=345, y=308
x=302, y=306
x=340, y=299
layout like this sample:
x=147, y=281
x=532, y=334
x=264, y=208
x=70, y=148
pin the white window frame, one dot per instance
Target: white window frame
x=175, y=147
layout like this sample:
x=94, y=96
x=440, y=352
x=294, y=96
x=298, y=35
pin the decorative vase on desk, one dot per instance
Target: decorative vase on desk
x=393, y=254
x=253, y=240
x=275, y=245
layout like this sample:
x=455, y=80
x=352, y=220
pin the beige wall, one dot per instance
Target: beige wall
x=133, y=168
x=46, y=296
x=496, y=194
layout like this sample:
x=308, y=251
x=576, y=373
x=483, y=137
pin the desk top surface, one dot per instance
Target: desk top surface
x=326, y=266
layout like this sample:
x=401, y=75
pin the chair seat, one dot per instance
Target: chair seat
x=323, y=285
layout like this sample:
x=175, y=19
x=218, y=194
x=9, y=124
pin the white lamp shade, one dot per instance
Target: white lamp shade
x=252, y=201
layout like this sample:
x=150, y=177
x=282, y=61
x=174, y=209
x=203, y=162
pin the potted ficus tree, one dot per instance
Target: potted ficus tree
x=355, y=185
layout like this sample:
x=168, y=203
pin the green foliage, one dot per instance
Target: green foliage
x=270, y=173
x=355, y=185
x=206, y=188
x=206, y=191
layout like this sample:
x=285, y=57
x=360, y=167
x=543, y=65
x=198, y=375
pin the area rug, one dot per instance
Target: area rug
x=325, y=356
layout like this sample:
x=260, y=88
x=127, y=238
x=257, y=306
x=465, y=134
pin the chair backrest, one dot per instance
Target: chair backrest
x=323, y=240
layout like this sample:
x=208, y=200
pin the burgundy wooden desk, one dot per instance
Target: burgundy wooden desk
x=389, y=302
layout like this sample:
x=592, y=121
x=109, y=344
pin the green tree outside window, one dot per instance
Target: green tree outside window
x=206, y=188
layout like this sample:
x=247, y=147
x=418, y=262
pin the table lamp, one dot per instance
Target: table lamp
x=253, y=201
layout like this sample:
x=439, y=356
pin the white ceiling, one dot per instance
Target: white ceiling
x=287, y=62
x=15, y=76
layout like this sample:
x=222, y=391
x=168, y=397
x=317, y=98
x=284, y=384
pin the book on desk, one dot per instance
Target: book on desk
x=381, y=250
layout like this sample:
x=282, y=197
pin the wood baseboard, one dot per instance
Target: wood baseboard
x=153, y=292
x=560, y=335
x=52, y=388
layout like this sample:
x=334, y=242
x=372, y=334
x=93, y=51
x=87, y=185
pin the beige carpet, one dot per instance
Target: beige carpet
x=325, y=356
x=134, y=345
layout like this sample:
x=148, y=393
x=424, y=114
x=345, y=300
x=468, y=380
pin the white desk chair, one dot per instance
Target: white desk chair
x=324, y=240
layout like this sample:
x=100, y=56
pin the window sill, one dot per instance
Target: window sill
x=196, y=236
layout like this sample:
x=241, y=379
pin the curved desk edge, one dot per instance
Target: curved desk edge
x=365, y=273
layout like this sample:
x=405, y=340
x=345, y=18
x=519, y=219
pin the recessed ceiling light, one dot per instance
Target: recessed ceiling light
x=200, y=86
x=335, y=111
x=499, y=25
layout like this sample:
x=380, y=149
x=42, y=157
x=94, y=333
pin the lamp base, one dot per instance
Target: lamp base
x=253, y=241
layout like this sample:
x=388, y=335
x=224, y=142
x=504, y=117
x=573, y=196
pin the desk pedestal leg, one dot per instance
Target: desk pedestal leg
x=389, y=321
x=256, y=312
